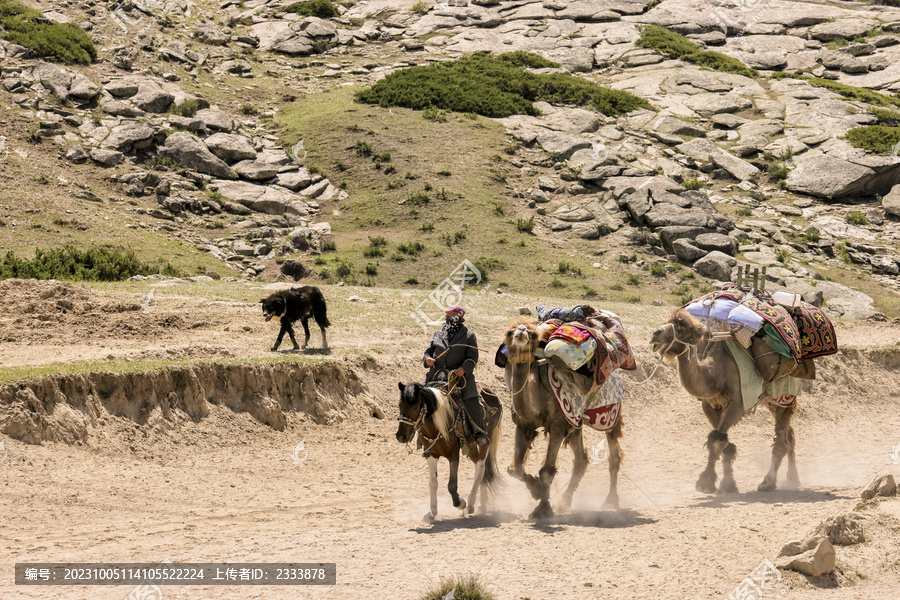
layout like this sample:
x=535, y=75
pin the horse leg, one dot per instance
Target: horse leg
x=479, y=477
x=615, y=461
x=576, y=442
x=548, y=471
x=451, y=485
x=432, y=487
x=783, y=445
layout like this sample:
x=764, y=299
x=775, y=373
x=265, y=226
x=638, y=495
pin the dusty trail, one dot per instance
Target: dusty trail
x=226, y=489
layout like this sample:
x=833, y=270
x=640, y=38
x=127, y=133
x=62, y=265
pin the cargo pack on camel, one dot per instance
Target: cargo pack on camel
x=562, y=372
x=738, y=348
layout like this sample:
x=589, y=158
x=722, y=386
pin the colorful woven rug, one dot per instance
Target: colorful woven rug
x=774, y=314
x=817, y=337
x=599, y=411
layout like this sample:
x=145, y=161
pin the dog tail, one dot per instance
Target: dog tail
x=320, y=310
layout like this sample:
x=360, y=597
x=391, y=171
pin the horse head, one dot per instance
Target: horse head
x=415, y=408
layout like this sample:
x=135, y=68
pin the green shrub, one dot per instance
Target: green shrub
x=249, y=109
x=812, y=235
x=855, y=217
x=420, y=8
x=744, y=211
x=556, y=283
x=374, y=252
x=877, y=139
x=444, y=173
x=63, y=42
x=658, y=270
x=520, y=58
x=371, y=270
x=564, y=268
x=673, y=45
x=486, y=265
x=492, y=86
x=313, y=8
x=426, y=227
x=363, y=149
x=188, y=108
x=329, y=246
x=344, y=269
x=411, y=248
x=693, y=184
x=782, y=255
x=98, y=263
x=418, y=198
x=777, y=171
x=435, y=114
x=634, y=280
x=412, y=281
x=525, y=225
x=886, y=116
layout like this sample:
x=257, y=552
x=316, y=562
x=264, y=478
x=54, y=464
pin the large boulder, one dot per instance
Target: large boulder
x=83, y=88
x=255, y=170
x=211, y=35
x=705, y=150
x=891, y=202
x=294, y=180
x=54, y=78
x=152, y=98
x=573, y=213
x=231, y=148
x=668, y=215
x=190, y=152
x=814, y=556
x=716, y=241
x=716, y=265
x=561, y=145
x=685, y=250
x=216, y=120
x=827, y=176
x=128, y=136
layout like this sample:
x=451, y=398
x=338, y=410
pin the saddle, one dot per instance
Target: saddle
x=461, y=425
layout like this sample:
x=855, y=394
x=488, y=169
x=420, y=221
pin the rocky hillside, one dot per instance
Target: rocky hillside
x=219, y=135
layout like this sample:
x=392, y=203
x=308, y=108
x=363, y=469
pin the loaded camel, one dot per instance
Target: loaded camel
x=711, y=375
x=534, y=407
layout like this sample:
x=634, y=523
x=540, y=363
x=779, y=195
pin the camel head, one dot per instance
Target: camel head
x=522, y=339
x=673, y=338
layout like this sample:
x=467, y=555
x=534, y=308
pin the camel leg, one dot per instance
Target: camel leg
x=706, y=483
x=479, y=477
x=733, y=413
x=547, y=472
x=451, y=484
x=432, y=487
x=576, y=442
x=783, y=445
x=615, y=461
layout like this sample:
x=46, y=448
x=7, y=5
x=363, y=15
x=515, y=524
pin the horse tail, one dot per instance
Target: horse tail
x=493, y=480
x=320, y=309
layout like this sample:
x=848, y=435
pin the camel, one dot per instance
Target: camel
x=711, y=375
x=534, y=407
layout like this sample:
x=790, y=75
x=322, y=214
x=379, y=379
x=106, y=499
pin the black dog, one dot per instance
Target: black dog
x=296, y=303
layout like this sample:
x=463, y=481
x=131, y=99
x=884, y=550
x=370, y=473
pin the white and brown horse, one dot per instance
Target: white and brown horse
x=427, y=412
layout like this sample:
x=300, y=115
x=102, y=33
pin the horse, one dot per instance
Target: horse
x=428, y=413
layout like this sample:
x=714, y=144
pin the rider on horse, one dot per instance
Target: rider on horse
x=454, y=350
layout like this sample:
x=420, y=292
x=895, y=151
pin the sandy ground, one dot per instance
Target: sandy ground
x=227, y=489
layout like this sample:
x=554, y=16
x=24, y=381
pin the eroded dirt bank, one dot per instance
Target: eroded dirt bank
x=68, y=408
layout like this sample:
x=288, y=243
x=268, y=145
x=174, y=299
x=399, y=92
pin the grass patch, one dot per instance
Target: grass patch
x=492, y=86
x=464, y=587
x=420, y=8
x=847, y=91
x=658, y=270
x=188, y=108
x=877, y=139
x=855, y=217
x=670, y=44
x=99, y=263
x=525, y=225
x=693, y=184
x=313, y=8
x=62, y=42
